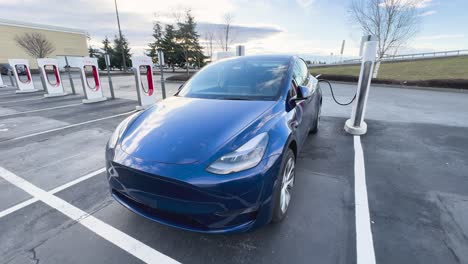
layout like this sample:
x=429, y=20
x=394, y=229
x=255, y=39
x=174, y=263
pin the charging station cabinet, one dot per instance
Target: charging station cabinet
x=53, y=88
x=21, y=67
x=143, y=69
x=92, y=90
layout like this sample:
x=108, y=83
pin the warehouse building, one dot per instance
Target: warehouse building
x=66, y=41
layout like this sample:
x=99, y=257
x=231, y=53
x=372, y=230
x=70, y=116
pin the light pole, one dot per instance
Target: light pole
x=121, y=39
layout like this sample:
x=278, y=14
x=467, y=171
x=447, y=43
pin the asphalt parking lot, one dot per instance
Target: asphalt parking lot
x=416, y=161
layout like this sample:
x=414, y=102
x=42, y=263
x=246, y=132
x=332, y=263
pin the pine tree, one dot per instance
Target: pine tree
x=152, y=52
x=170, y=47
x=154, y=46
x=116, y=55
x=187, y=38
x=93, y=52
x=106, y=48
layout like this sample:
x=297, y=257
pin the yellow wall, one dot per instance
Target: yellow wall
x=65, y=43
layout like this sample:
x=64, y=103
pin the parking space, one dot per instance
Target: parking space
x=418, y=192
x=415, y=159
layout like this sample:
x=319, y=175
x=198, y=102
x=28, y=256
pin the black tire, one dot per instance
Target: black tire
x=315, y=128
x=278, y=213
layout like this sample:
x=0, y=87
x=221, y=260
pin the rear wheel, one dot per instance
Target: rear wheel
x=283, y=191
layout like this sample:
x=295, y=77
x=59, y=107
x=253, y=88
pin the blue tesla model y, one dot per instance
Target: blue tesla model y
x=220, y=155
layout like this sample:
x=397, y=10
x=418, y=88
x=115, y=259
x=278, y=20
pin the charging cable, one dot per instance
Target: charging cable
x=333, y=94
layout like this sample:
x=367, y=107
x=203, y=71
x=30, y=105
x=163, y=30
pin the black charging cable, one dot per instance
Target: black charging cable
x=333, y=94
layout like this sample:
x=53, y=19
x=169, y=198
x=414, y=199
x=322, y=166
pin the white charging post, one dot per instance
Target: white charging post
x=26, y=86
x=2, y=85
x=53, y=89
x=144, y=84
x=111, y=86
x=240, y=50
x=93, y=90
x=356, y=125
x=161, y=67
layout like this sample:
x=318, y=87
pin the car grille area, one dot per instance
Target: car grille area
x=176, y=203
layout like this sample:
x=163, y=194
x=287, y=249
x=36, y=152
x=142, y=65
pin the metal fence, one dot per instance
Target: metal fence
x=404, y=57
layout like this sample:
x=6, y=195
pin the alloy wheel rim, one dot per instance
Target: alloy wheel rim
x=286, y=184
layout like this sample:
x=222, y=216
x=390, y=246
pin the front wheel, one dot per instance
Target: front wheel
x=284, y=187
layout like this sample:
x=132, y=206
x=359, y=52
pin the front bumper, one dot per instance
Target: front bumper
x=172, y=195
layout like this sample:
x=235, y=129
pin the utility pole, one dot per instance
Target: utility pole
x=121, y=38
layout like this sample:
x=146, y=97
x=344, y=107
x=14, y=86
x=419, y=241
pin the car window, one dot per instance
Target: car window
x=304, y=71
x=300, y=72
x=297, y=74
x=246, y=78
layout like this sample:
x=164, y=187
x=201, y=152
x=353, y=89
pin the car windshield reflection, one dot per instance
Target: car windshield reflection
x=244, y=79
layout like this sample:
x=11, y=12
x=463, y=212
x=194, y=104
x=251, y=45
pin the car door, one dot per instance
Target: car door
x=301, y=107
x=314, y=101
x=301, y=77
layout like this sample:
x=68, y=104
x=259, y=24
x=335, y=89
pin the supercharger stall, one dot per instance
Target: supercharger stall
x=143, y=69
x=21, y=66
x=53, y=87
x=93, y=91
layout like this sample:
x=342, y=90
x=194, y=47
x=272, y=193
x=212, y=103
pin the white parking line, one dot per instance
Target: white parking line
x=53, y=191
x=65, y=127
x=17, y=207
x=40, y=110
x=364, y=242
x=109, y=233
x=76, y=181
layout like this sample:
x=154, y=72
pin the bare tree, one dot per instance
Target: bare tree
x=209, y=38
x=35, y=44
x=225, y=37
x=393, y=22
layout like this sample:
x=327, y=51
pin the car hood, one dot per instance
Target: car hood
x=184, y=130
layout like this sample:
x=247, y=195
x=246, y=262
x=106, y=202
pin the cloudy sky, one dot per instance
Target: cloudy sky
x=306, y=27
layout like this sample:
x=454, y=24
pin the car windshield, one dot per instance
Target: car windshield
x=239, y=79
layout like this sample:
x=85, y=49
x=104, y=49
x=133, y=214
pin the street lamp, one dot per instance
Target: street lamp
x=121, y=38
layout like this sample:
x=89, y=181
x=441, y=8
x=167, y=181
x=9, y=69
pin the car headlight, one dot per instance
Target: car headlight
x=243, y=158
x=118, y=132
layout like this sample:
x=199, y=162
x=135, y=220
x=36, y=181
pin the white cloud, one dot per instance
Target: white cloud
x=443, y=36
x=264, y=26
x=415, y=3
x=98, y=17
x=428, y=13
x=203, y=10
x=422, y=3
x=305, y=3
x=276, y=44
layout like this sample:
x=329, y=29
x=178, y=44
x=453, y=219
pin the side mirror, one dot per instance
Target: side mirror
x=305, y=92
